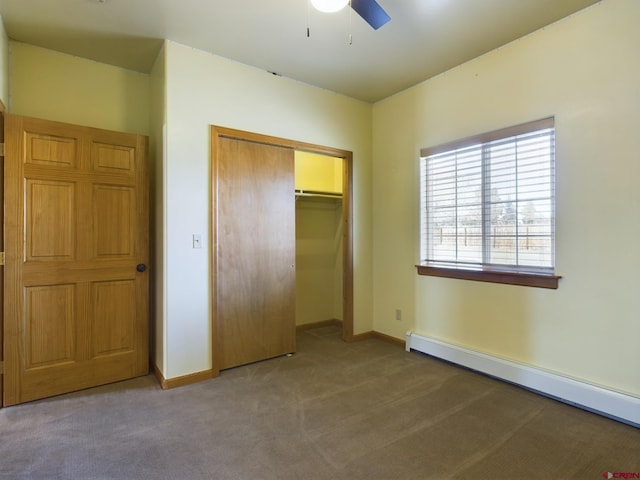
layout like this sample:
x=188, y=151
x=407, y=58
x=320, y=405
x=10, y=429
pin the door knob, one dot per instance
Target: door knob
x=141, y=267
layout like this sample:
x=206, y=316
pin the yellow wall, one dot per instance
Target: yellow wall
x=203, y=90
x=158, y=122
x=585, y=71
x=4, y=66
x=319, y=173
x=318, y=259
x=64, y=88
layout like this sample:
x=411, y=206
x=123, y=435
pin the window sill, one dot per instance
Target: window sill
x=492, y=276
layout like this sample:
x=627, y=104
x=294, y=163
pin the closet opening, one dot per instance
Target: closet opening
x=319, y=240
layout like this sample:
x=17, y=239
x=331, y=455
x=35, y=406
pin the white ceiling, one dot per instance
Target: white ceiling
x=424, y=37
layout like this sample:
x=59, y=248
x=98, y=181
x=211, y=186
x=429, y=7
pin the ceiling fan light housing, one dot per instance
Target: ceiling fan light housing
x=329, y=6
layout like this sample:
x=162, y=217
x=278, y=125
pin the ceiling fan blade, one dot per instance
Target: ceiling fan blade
x=372, y=13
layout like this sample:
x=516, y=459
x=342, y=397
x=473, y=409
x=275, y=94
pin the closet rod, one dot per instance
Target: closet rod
x=314, y=193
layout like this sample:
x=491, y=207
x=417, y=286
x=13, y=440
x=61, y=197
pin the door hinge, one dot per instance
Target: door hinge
x=1, y=258
x=1, y=149
x=1, y=367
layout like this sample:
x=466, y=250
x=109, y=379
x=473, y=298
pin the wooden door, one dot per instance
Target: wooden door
x=254, y=236
x=76, y=234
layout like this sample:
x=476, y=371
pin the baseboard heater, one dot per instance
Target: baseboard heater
x=619, y=406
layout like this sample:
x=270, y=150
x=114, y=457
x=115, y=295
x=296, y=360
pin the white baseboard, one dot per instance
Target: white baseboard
x=620, y=406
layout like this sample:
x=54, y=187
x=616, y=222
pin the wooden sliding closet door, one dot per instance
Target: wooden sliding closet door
x=254, y=238
x=76, y=238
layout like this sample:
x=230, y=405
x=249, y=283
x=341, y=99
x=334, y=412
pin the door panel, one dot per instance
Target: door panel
x=50, y=150
x=114, y=221
x=113, y=322
x=255, y=251
x=76, y=226
x=49, y=314
x=113, y=158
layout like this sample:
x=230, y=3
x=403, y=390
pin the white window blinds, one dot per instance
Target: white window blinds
x=489, y=201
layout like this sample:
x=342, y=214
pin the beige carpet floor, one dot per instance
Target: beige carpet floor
x=333, y=411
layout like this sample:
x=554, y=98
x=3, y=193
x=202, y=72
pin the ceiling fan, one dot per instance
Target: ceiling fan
x=369, y=10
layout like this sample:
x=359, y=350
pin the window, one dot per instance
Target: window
x=488, y=207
